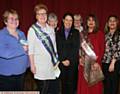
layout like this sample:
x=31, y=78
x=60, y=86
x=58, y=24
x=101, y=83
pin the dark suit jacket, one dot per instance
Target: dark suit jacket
x=68, y=49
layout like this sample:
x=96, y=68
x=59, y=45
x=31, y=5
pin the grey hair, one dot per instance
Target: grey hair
x=52, y=16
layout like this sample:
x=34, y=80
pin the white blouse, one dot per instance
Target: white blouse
x=42, y=58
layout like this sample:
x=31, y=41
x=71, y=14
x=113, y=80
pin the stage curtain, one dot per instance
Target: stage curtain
x=101, y=8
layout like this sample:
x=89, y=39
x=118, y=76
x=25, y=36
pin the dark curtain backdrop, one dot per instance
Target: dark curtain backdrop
x=102, y=9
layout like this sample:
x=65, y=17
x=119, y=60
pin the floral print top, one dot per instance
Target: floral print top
x=112, y=47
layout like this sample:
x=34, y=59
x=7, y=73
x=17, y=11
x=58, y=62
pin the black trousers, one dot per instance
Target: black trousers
x=48, y=86
x=69, y=80
x=12, y=83
x=111, y=81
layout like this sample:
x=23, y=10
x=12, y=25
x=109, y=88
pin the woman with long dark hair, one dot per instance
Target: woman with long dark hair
x=95, y=40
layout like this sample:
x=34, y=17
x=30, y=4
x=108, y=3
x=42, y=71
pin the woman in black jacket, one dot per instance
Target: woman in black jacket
x=68, y=50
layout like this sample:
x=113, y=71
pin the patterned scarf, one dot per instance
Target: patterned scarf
x=47, y=42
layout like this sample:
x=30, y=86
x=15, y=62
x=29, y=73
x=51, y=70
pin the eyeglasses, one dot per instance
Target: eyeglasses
x=42, y=14
x=77, y=20
x=13, y=19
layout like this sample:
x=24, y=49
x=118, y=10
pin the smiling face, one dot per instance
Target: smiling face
x=77, y=21
x=91, y=22
x=112, y=23
x=12, y=21
x=41, y=16
x=68, y=21
x=52, y=23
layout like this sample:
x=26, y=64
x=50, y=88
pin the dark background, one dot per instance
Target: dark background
x=102, y=9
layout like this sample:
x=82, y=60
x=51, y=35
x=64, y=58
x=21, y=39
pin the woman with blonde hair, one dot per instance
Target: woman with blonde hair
x=13, y=53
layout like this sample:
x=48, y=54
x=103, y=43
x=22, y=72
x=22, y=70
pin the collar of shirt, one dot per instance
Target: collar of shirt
x=67, y=31
x=7, y=32
x=43, y=28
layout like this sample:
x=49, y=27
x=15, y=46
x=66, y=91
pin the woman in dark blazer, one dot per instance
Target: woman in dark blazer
x=68, y=50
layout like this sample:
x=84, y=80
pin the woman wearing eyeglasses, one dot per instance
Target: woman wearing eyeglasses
x=13, y=53
x=43, y=54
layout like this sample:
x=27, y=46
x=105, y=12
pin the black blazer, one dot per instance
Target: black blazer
x=68, y=48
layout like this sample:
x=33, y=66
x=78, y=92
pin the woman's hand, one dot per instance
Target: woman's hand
x=66, y=62
x=25, y=47
x=112, y=65
x=81, y=61
x=33, y=69
x=95, y=66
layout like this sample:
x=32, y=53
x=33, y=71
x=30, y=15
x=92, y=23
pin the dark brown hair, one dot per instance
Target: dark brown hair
x=96, y=22
x=106, y=29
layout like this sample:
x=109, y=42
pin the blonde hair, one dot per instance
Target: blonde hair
x=40, y=6
x=7, y=12
x=78, y=16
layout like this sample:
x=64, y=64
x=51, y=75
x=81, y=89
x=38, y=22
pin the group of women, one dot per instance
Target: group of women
x=58, y=59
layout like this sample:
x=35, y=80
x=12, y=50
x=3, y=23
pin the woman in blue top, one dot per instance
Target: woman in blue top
x=13, y=57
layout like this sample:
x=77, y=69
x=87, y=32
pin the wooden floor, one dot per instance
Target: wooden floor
x=19, y=92
x=119, y=88
x=30, y=83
